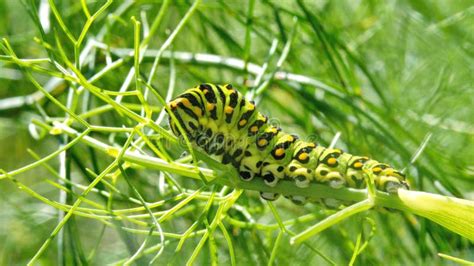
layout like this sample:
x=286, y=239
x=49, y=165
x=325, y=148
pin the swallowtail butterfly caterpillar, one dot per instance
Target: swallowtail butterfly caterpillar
x=218, y=119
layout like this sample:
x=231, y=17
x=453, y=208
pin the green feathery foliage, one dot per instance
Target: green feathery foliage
x=91, y=174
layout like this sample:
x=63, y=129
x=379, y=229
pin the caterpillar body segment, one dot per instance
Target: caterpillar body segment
x=219, y=120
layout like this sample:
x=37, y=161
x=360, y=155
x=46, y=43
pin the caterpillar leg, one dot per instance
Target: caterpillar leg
x=271, y=173
x=388, y=179
x=270, y=196
x=298, y=200
x=331, y=203
x=392, y=181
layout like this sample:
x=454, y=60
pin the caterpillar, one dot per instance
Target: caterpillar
x=220, y=121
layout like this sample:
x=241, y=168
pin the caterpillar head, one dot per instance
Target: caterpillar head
x=184, y=114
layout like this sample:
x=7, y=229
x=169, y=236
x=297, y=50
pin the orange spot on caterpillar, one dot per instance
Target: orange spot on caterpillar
x=262, y=142
x=228, y=110
x=303, y=156
x=280, y=152
x=186, y=103
x=198, y=111
x=332, y=161
x=376, y=170
x=210, y=106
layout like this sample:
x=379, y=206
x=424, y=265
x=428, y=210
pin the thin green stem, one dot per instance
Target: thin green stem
x=169, y=40
x=46, y=158
x=228, y=239
x=457, y=260
x=248, y=32
x=220, y=214
x=156, y=224
x=333, y=219
x=79, y=201
x=60, y=21
x=276, y=244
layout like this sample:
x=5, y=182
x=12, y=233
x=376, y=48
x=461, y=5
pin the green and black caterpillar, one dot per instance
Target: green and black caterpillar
x=219, y=120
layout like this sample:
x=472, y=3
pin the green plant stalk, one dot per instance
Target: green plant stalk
x=79, y=186
x=356, y=250
x=170, y=40
x=268, y=227
x=277, y=216
x=212, y=247
x=99, y=209
x=273, y=255
x=61, y=224
x=156, y=23
x=88, y=212
x=155, y=222
x=457, y=260
x=286, y=50
x=220, y=214
x=45, y=159
x=333, y=219
x=156, y=247
x=68, y=215
x=248, y=31
x=453, y=213
x=196, y=223
x=229, y=244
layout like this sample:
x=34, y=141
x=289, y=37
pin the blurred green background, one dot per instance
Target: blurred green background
x=400, y=73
